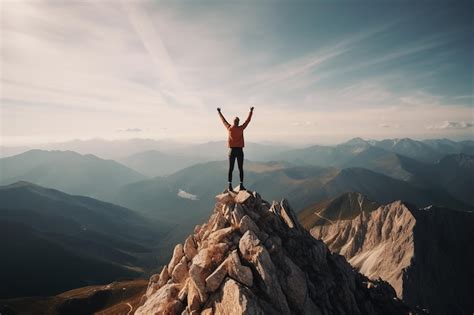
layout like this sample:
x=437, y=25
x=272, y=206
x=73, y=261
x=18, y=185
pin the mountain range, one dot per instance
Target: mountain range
x=341, y=155
x=68, y=171
x=154, y=194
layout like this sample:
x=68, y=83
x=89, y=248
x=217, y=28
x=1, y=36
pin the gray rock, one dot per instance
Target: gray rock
x=215, y=279
x=258, y=256
x=177, y=255
x=164, y=277
x=243, y=196
x=247, y=224
x=219, y=235
x=180, y=272
x=237, y=271
x=190, y=248
x=234, y=299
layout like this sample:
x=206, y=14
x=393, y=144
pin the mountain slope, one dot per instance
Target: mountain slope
x=447, y=146
x=119, y=297
x=113, y=149
x=384, y=189
x=325, y=156
x=253, y=258
x=453, y=174
x=346, y=206
x=411, y=148
x=380, y=161
x=155, y=163
x=421, y=253
x=68, y=171
x=107, y=241
x=30, y=259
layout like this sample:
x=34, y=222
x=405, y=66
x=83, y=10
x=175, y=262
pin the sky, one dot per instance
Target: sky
x=315, y=71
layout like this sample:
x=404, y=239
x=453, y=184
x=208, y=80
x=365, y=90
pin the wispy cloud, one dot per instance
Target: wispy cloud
x=130, y=130
x=167, y=64
x=303, y=123
x=452, y=125
x=300, y=68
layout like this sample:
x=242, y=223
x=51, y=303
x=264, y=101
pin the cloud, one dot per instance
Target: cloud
x=185, y=195
x=385, y=125
x=452, y=125
x=130, y=130
x=303, y=123
x=150, y=38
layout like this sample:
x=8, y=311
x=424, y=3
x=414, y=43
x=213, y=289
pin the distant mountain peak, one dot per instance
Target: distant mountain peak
x=344, y=207
x=253, y=257
x=357, y=141
x=21, y=183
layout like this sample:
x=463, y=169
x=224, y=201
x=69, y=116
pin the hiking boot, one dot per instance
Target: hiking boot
x=231, y=189
x=241, y=187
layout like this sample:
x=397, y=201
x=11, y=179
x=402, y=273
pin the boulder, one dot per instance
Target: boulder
x=233, y=298
x=224, y=198
x=190, y=248
x=180, y=272
x=248, y=244
x=237, y=271
x=220, y=222
x=237, y=214
x=177, y=255
x=219, y=235
x=164, y=276
x=183, y=294
x=198, y=276
x=194, y=299
x=203, y=258
x=247, y=224
x=162, y=301
x=242, y=196
x=215, y=279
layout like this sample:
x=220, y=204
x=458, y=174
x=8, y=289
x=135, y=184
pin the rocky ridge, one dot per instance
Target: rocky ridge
x=253, y=257
x=425, y=254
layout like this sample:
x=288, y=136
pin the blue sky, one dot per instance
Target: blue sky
x=316, y=71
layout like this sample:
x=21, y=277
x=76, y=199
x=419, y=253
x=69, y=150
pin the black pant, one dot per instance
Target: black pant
x=236, y=153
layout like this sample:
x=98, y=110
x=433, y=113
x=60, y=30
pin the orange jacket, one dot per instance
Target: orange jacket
x=236, y=133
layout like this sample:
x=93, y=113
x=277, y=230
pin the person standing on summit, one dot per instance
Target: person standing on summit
x=236, y=145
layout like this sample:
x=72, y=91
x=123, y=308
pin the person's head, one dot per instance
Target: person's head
x=236, y=121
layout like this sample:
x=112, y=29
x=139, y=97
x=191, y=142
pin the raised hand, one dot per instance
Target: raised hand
x=251, y=109
x=219, y=109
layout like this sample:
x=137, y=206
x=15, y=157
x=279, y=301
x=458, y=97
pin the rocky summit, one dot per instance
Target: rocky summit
x=253, y=257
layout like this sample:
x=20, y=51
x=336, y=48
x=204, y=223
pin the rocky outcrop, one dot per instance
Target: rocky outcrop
x=419, y=252
x=255, y=258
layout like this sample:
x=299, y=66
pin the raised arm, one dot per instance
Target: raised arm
x=248, y=118
x=226, y=124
